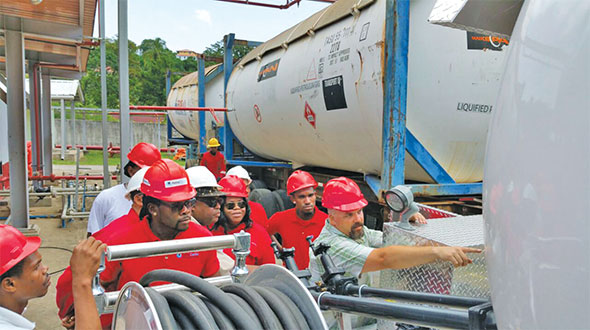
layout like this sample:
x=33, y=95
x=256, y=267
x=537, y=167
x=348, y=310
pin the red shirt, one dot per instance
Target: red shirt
x=204, y=263
x=117, y=225
x=260, y=250
x=294, y=230
x=215, y=163
x=258, y=214
x=64, y=296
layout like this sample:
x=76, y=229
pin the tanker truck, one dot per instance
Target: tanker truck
x=313, y=97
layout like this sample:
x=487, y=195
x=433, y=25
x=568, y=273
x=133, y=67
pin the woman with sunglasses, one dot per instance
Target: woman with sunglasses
x=235, y=217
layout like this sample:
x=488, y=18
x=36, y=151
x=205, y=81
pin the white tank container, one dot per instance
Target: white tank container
x=185, y=93
x=536, y=186
x=319, y=101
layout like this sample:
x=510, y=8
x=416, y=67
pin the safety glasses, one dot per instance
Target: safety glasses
x=210, y=201
x=178, y=206
x=231, y=206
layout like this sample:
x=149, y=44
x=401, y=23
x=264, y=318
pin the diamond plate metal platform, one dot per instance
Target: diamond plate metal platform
x=440, y=277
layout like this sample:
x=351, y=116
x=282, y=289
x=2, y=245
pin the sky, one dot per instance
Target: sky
x=196, y=24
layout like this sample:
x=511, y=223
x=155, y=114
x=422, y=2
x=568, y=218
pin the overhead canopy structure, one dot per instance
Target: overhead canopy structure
x=56, y=32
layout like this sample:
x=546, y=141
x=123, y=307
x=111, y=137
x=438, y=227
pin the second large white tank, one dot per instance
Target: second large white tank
x=318, y=99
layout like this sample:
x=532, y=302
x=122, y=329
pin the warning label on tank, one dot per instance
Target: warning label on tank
x=473, y=107
x=269, y=70
x=481, y=41
x=333, y=89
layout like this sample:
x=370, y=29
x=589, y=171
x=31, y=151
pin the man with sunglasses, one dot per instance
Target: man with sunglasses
x=208, y=199
x=165, y=215
x=64, y=295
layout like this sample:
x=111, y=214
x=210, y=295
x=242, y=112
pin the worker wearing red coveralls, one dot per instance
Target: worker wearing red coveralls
x=235, y=218
x=110, y=204
x=213, y=159
x=64, y=296
x=165, y=215
x=257, y=212
x=295, y=224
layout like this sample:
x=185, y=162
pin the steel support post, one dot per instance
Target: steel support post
x=34, y=104
x=225, y=133
x=103, y=96
x=394, y=92
x=73, y=121
x=124, y=86
x=201, y=86
x=47, y=151
x=15, y=74
x=46, y=140
x=63, y=128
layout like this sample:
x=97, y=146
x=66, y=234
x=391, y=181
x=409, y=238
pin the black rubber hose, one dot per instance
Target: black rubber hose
x=198, y=299
x=182, y=320
x=223, y=322
x=290, y=316
x=244, y=305
x=164, y=313
x=184, y=301
x=265, y=314
x=231, y=309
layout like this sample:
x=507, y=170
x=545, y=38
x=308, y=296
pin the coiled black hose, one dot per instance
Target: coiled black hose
x=244, y=305
x=234, y=306
x=263, y=311
x=290, y=316
x=223, y=322
x=229, y=307
x=164, y=313
x=201, y=317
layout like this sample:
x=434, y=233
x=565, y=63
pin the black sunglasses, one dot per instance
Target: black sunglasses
x=232, y=205
x=210, y=201
x=178, y=206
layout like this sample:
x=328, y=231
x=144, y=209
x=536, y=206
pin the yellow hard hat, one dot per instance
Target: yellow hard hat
x=213, y=143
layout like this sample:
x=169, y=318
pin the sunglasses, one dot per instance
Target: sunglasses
x=179, y=206
x=231, y=206
x=210, y=201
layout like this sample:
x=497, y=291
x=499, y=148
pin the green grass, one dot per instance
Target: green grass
x=94, y=157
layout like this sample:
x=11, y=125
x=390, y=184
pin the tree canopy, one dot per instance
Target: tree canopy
x=148, y=64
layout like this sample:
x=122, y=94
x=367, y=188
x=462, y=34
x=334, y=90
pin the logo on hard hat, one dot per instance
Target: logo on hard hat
x=146, y=182
x=175, y=183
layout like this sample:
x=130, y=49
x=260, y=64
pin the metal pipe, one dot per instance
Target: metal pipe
x=73, y=121
x=53, y=177
x=124, y=85
x=414, y=314
x=150, y=249
x=111, y=297
x=366, y=291
x=15, y=75
x=63, y=127
x=103, y=94
x=154, y=107
x=92, y=147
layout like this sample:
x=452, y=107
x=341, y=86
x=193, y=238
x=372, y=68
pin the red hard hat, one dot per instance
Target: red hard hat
x=167, y=181
x=14, y=247
x=343, y=194
x=300, y=180
x=144, y=154
x=233, y=186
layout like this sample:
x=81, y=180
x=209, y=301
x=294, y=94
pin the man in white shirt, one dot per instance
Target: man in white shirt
x=23, y=277
x=111, y=203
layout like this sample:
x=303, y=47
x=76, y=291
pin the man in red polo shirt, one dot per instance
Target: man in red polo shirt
x=295, y=224
x=213, y=159
x=166, y=213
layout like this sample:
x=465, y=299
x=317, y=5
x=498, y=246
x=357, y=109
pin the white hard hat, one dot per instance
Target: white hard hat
x=135, y=181
x=240, y=172
x=200, y=176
